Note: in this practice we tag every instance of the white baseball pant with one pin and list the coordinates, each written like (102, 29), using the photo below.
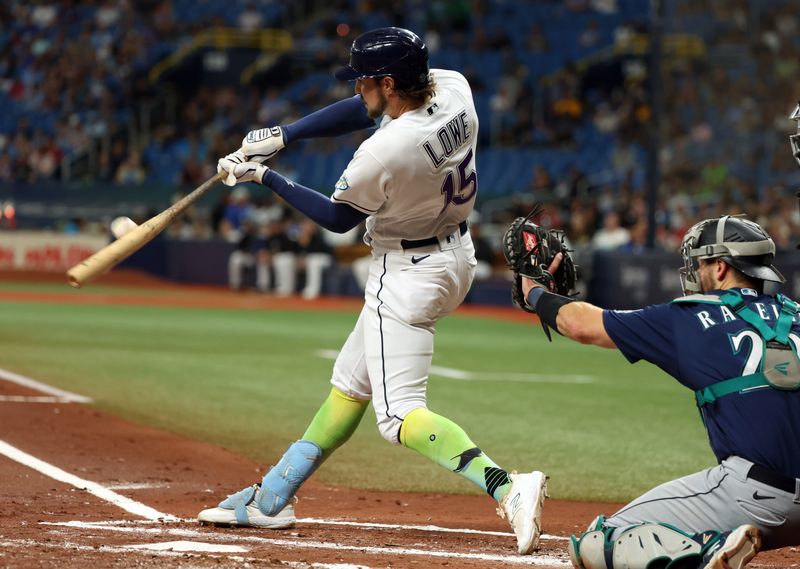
(387, 356)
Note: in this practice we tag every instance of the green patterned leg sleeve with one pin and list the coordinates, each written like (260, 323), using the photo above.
(445, 443)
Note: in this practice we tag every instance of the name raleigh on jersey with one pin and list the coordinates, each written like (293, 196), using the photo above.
(708, 320)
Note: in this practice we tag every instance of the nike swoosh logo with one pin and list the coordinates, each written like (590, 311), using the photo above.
(416, 260)
(757, 496)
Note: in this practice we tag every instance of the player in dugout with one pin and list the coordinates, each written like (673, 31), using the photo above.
(737, 349)
(414, 182)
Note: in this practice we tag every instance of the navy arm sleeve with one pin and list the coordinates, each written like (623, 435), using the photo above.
(336, 217)
(347, 115)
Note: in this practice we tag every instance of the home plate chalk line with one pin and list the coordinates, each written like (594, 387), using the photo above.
(335, 522)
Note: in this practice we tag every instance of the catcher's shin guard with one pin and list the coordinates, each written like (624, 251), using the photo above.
(589, 550)
(283, 480)
(639, 547)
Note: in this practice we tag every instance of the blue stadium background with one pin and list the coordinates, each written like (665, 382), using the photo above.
(111, 108)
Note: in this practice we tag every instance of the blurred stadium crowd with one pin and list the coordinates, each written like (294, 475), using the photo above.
(562, 88)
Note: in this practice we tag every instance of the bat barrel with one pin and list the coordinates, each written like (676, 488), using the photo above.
(114, 253)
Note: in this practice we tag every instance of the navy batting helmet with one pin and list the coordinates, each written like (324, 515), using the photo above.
(394, 52)
(741, 243)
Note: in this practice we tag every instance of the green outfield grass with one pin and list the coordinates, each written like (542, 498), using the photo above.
(251, 381)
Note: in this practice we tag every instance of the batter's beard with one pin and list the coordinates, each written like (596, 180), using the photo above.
(376, 112)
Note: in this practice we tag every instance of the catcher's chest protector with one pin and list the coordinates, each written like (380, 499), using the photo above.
(774, 360)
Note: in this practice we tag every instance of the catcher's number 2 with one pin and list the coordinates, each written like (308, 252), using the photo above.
(753, 361)
(467, 184)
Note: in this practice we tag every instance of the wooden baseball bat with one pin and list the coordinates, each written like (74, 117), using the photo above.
(117, 251)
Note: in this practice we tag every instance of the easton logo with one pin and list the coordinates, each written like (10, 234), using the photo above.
(781, 368)
(530, 241)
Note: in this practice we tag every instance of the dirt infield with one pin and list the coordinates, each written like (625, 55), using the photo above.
(85, 489)
(50, 520)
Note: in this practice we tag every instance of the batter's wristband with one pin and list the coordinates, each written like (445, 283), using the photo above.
(546, 304)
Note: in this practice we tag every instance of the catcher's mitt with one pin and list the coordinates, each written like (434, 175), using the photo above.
(529, 250)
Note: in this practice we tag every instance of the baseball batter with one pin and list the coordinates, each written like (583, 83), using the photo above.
(414, 182)
(737, 349)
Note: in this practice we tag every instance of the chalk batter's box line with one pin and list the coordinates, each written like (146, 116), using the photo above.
(231, 537)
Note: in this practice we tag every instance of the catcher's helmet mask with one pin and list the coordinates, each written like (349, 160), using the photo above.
(794, 139)
(392, 52)
(741, 243)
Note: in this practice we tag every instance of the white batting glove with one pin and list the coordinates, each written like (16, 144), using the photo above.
(240, 171)
(262, 144)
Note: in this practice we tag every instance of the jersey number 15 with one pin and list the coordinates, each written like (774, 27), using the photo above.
(464, 193)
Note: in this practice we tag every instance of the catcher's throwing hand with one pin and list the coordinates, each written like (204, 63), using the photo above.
(239, 170)
(528, 284)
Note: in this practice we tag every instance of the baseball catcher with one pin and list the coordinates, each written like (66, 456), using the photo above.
(530, 251)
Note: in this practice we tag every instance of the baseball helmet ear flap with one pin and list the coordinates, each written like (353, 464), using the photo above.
(394, 52)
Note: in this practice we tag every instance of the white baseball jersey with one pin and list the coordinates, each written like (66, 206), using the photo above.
(415, 176)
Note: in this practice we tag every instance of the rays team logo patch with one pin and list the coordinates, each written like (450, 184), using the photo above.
(530, 240)
(342, 184)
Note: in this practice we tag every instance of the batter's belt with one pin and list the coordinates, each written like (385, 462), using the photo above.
(416, 243)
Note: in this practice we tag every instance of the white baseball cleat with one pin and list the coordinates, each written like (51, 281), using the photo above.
(241, 510)
(522, 507)
(738, 549)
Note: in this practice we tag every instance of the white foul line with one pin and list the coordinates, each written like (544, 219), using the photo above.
(547, 560)
(32, 399)
(43, 387)
(132, 506)
(463, 375)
